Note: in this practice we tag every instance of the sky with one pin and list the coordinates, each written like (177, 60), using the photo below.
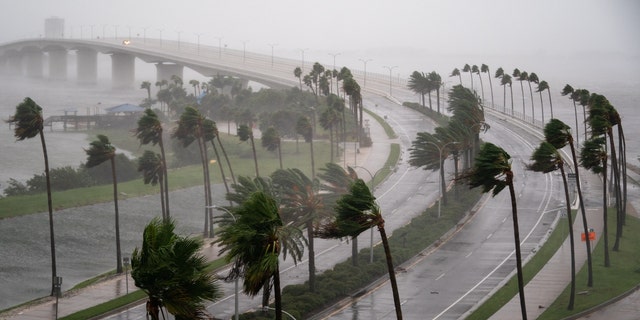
(412, 34)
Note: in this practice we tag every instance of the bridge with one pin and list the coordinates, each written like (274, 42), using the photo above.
(52, 58)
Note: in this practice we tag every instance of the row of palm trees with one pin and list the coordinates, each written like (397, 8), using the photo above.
(424, 84)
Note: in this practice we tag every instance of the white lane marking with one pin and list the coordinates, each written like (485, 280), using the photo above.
(440, 276)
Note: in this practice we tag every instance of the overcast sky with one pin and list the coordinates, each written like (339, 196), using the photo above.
(366, 29)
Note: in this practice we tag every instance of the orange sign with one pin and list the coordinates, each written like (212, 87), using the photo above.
(592, 236)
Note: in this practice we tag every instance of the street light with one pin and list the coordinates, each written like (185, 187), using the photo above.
(303, 50)
(219, 47)
(237, 314)
(160, 30)
(144, 34)
(373, 177)
(334, 68)
(57, 286)
(440, 173)
(178, 32)
(244, 51)
(115, 26)
(198, 35)
(287, 313)
(365, 70)
(127, 263)
(390, 69)
(272, 45)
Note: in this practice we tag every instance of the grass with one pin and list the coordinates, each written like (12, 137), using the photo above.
(387, 128)
(609, 283)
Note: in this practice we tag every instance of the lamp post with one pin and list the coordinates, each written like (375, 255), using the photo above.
(91, 31)
(365, 70)
(160, 30)
(126, 261)
(237, 314)
(302, 51)
(198, 35)
(272, 45)
(178, 32)
(287, 313)
(334, 69)
(440, 173)
(115, 28)
(219, 47)
(373, 177)
(244, 51)
(57, 286)
(144, 34)
(390, 69)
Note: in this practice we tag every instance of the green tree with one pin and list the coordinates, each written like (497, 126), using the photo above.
(245, 133)
(485, 69)
(304, 128)
(172, 272)
(467, 68)
(196, 85)
(254, 243)
(546, 158)
(559, 135)
(425, 152)
(435, 81)
(99, 151)
(418, 84)
(271, 141)
(456, 72)
(150, 164)
(210, 135)
(356, 212)
(518, 76)
(147, 86)
(506, 80)
(150, 130)
(28, 123)
(542, 86)
(297, 72)
(330, 119)
(492, 172)
(474, 69)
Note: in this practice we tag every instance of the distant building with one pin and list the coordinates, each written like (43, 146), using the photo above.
(54, 27)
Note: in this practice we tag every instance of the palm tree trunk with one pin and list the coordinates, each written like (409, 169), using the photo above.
(617, 191)
(224, 178)
(117, 218)
(392, 273)
(575, 112)
(166, 177)
(430, 104)
(208, 182)
(584, 215)
(481, 87)
(255, 155)
(312, 256)
(542, 108)
(54, 273)
(533, 116)
(330, 144)
(491, 87)
(504, 98)
(511, 89)
(438, 98)
(550, 103)
(572, 296)
(516, 236)
(162, 200)
(622, 150)
(523, 106)
(313, 163)
(224, 153)
(605, 233)
(277, 294)
(443, 184)
(206, 189)
(354, 251)
(280, 153)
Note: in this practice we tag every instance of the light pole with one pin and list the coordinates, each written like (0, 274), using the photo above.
(287, 313)
(440, 173)
(244, 51)
(160, 30)
(198, 47)
(334, 69)
(115, 35)
(373, 177)
(365, 70)
(104, 26)
(129, 27)
(303, 50)
(126, 261)
(91, 31)
(272, 45)
(57, 286)
(237, 314)
(219, 47)
(390, 69)
(178, 32)
(144, 34)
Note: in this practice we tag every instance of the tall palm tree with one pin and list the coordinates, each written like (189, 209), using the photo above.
(559, 135)
(28, 123)
(583, 98)
(492, 172)
(99, 151)
(593, 157)
(147, 86)
(456, 72)
(210, 135)
(542, 86)
(254, 243)
(506, 80)
(525, 77)
(150, 130)
(271, 141)
(534, 78)
(425, 152)
(150, 164)
(518, 76)
(467, 68)
(418, 84)
(304, 128)
(474, 69)
(435, 81)
(196, 85)
(297, 72)
(303, 204)
(189, 129)
(356, 212)
(568, 90)
(172, 272)
(329, 119)
(485, 68)
(245, 133)
(546, 158)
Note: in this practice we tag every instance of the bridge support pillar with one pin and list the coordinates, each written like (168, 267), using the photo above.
(58, 64)
(87, 71)
(122, 70)
(13, 65)
(165, 71)
(33, 63)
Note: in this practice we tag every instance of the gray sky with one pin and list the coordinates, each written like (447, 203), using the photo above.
(389, 32)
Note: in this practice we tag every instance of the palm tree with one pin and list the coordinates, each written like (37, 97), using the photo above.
(425, 152)
(356, 212)
(150, 130)
(492, 172)
(435, 81)
(303, 204)
(506, 80)
(456, 72)
(467, 68)
(485, 68)
(418, 84)
(195, 84)
(304, 128)
(546, 158)
(518, 76)
(525, 77)
(543, 85)
(559, 135)
(190, 128)
(150, 164)
(297, 72)
(210, 135)
(99, 151)
(28, 122)
(271, 141)
(583, 97)
(568, 90)
(147, 86)
(329, 119)
(254, 243)
(593, 156)
(534, 78)
(172, 272)
(245, 133)
(474, 69)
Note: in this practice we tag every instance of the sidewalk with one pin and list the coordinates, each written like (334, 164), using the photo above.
(372, 158)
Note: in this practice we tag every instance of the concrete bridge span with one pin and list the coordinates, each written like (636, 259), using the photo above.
(53, 58)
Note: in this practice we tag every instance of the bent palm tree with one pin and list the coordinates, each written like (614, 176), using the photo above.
(150, 164)
(29, 123)
(474, 69)
(271, 141)
(456, 72)
(485, 68)
(593, 156)
(546, 158)
(99, 151)
(356, 212)
(171, 271)
(492, 172)
(543, 85)
(254, 243)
